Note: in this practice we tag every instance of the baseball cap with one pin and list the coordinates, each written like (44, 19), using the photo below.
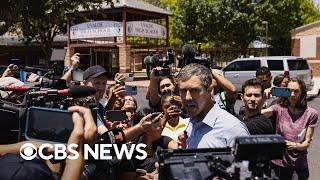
(5, 81)
(93, 71)
(13, 166)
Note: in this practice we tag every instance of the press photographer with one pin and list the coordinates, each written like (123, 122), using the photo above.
(155, 60)
(190, 56)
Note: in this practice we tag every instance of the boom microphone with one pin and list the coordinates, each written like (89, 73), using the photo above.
(73, 91)
(16, 88)
(187, 50)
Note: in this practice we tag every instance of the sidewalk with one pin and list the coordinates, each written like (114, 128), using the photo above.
(138, 83)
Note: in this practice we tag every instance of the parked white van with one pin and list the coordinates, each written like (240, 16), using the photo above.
(242, 69)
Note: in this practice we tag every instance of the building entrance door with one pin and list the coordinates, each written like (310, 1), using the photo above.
(104, 58)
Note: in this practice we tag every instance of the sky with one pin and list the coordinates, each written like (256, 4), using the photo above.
(317, 1)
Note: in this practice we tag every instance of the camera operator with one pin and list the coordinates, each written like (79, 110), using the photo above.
(75, 61)
(14, 167)
(253, 99)
(209, 126)
(296, 122)
(157, 87)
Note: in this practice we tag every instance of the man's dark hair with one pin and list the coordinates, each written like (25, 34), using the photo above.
(252, 82)
(263, 71)
(195, 69)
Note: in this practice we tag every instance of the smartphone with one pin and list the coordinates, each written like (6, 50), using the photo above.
(77, 75)
(163, 72)
(116, 115)
(131, 90)
(49, 125)
(153, 117)
(281, 92)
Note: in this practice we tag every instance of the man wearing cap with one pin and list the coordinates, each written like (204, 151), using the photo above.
(96, 77)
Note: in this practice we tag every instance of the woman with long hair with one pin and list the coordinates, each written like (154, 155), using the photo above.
(296, 122)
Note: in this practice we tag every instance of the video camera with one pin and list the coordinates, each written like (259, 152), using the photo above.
(14, 116)
(189, 56)
(155, 60)
(223, 162)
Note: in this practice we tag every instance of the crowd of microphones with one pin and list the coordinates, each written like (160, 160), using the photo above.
(24, 102)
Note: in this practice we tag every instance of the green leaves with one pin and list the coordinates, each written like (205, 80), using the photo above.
(237, 23)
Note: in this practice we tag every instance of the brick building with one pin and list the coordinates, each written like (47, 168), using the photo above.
(305, 42)
(119, 37)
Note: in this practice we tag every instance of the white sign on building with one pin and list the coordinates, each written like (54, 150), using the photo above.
(146, 29)
(96, 29)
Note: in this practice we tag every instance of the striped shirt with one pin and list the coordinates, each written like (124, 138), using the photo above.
(174, 132)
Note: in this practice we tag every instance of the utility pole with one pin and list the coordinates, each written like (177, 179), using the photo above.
(266, 37)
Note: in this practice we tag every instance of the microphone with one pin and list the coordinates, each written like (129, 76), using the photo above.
(187, 50)
(73, 91)
(147, 60)
(154, 60)
(16, 88)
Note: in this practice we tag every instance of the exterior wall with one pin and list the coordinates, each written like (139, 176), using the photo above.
(304, 39)
(124, 59)
(295, 47)
(136, 61)
(313, 30)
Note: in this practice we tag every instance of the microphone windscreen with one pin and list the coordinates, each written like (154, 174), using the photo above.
(187, 50)
(154, 60)
(81, 91)
(147, 60)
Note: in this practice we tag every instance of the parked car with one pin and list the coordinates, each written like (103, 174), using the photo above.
(242, 69)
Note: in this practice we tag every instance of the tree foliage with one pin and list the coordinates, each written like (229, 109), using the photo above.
(41, 20)
(237, 23)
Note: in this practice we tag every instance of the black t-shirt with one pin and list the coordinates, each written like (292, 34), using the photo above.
(258, 124)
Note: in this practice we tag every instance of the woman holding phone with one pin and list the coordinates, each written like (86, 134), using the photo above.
(296, 122)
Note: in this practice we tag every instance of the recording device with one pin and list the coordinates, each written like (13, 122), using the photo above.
(46, 124)
(154, 117)
(222, 162)
(189, 56)
(27, 71)
(176, 105)
(115, 115)
(195, 164)
(281, 92)
(11, 122)
(164, 72)
(16, 88)
(73, 91)
(259, 150)
(155, 60)
(131, 90)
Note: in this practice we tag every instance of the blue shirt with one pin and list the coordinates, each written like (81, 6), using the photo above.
(217, 130)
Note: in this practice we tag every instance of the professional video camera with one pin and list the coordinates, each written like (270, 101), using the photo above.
(14, 116)
(189, 56)
(155, 60)
(224, 163)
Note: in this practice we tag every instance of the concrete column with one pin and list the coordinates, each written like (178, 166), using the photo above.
(124, 59)
(67, 59)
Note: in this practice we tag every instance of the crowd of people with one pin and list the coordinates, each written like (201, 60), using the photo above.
(194, 108)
